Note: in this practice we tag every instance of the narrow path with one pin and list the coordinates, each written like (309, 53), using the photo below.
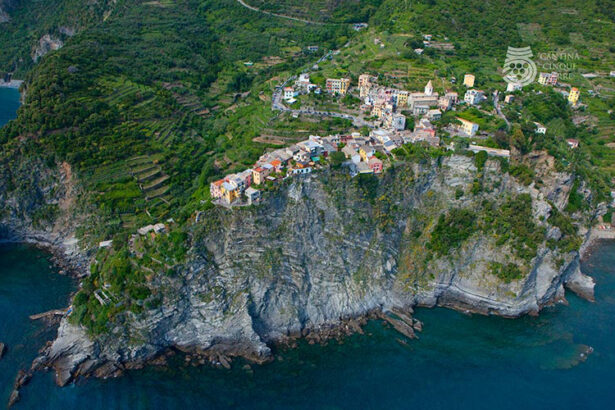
(284, 16)
(498, 110)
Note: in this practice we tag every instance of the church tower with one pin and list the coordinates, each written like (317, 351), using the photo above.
(429, 88)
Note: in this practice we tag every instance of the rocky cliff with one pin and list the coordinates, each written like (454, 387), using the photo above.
(5, 7)
(326, 248)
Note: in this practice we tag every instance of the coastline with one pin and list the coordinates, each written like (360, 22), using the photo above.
(73, 261)
(14, 84)
(595, 235)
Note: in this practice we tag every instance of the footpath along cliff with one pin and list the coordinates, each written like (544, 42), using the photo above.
(324, 250)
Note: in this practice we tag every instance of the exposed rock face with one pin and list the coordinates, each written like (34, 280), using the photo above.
(67, 30)
(27, 186)
(317, 252)
(45, 45)
(581, 284)
(4, 17)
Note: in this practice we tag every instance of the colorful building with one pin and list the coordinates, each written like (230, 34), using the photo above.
(402, 98)
(574, 95)
(375, 164)
(468, 80)
(366, 152)
(215, 189)
(259, 174)
(548, 78)
(230, 192)
(338, 85)
(467, 127)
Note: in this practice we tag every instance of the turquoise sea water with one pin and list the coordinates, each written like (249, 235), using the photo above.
(460, 361)
(9, 102)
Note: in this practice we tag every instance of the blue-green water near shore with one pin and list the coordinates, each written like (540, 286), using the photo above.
(9, 103)
(460, 361)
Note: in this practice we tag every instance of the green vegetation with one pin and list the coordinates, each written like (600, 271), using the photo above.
(507, 272)
(451, 230)
(570, 240)
(512, 223)
(352, 11)
(480, 159)
(523, 173)
(337, 158)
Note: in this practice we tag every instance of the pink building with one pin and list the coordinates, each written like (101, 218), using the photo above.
(215, 189)
(375, 164)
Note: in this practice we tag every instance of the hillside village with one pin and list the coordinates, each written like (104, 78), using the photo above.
(371, 153)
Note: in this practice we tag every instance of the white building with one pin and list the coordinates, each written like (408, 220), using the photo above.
(399, 122)
(351, 154)
(512, 87)
(289, 93)
(540, 129)
(252, 195)
(434, 115)
(474, 97)
(429, 89)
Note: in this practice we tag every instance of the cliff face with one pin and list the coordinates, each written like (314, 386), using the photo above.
(324, 248)
(5, 7)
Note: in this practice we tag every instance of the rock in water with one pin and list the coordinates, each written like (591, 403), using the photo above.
(14, 398)
(582, 285)
(2, 349)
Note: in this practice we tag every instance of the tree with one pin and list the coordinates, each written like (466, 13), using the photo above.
(337, 158)
(480, 159)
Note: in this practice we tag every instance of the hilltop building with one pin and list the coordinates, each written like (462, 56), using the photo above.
(474, 97)
(467, 127)
(574, 95)
(468, 80)
(540, 129)
(548, 78)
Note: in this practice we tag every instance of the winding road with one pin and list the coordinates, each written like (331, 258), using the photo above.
(284, 16)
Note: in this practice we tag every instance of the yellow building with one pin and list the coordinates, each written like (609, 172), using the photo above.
(229, 192)
(468, 80)
(467, 127)
(338, 85)
(260, 173)
(402, 98)
(366, 152)
(574, 95)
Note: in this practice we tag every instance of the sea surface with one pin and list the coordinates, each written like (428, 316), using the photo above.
(9, 103)
(459, 362)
